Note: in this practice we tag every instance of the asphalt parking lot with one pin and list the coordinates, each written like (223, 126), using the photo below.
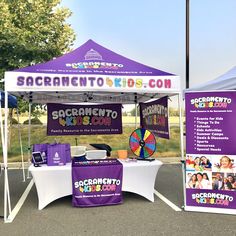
(136, 216)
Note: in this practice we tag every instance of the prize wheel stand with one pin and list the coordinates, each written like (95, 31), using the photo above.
(142, 143)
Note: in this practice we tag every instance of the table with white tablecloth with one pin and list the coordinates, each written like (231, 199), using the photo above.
(54, 182)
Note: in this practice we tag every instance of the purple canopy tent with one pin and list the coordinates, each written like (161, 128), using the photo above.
(91, 73)
(94, 74)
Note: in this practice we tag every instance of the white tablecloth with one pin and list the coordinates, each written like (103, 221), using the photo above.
(53, 182)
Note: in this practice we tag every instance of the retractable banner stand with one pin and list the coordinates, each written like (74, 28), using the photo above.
(154, 117)
(211, 152)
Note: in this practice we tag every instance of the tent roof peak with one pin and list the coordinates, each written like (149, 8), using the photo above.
(92, 58)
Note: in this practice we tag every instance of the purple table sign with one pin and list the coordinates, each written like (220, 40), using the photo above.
(97, 183)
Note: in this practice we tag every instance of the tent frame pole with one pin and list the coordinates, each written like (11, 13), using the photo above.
(2, 130)
(21, 148)
(136, 113)
(29, 139)
(3, 149)
(136, 109)
(180, 100)
(7, 201)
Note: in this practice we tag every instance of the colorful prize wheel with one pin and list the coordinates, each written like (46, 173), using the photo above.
(142, 143)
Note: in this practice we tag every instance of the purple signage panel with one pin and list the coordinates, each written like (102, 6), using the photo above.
(84, 119)
(210, 122)
(211, 198)
(97, 183)
(211, 150)
(154, 117)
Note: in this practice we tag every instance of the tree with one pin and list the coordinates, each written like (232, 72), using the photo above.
(32, 31)
(133, 113)
(173, 111)
(37, 109)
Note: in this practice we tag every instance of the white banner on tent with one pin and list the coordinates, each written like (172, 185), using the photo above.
(23, 81)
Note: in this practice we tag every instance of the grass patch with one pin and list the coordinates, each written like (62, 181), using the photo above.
(165, 148)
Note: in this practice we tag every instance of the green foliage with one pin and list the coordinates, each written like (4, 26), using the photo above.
(132, 112)
(32, 31)
(173, 112)
(14, 121)
(124, 113)
(37, 109)
(170, 148)
(34, 121)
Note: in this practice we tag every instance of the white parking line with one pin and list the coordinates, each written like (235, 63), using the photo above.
(167, 201)
(21, 201)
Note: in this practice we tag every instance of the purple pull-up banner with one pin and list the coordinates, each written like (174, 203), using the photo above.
(97, 183)
(66, 119)
(154, 117)
(211, 152)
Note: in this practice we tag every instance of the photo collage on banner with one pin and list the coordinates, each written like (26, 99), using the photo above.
(216, 172)
(211, 150)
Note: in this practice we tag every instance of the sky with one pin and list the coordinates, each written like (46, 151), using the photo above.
(152, 32)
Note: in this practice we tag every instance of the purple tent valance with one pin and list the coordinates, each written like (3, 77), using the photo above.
(91, 68)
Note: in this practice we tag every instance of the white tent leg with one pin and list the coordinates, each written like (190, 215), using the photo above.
(21, 148)
(181, 127)
(2, 131)
(6, 183)
(3, 148)
(8, 192)
(182, 143)
(29, 139)
(7, 201)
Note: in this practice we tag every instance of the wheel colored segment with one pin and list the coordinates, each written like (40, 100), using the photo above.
(142, 143)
